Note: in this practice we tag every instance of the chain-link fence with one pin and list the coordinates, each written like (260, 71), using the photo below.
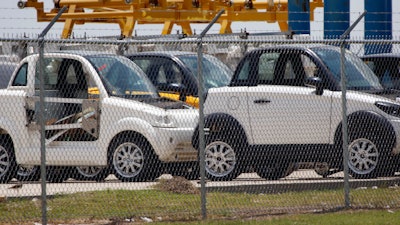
(118, 121)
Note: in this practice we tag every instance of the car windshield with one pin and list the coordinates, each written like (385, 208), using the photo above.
(215, 72)
(122, 77)
(359, 75)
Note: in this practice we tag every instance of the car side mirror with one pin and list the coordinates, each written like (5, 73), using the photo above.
(316, 83)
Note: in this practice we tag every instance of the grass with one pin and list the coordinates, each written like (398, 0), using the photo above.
(350, 217)
(172, 202)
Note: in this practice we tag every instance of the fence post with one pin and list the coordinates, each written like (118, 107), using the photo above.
(344, 111)
(41, 115)
(201, 114)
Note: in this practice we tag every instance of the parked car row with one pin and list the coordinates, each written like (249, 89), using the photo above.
(137, 118)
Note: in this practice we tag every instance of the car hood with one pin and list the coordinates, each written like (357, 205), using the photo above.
(392, 94)
(163, 103)
(166, 103)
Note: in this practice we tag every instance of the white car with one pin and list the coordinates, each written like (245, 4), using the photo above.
(100, 111)
(283, 106)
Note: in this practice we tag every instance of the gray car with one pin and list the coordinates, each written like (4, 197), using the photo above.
(174, 73)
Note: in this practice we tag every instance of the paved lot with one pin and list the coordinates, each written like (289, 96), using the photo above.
(248, 182)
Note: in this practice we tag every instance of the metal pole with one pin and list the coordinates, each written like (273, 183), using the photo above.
(344, 112)
(41, 115)
(201, 115)
(344, 128)
(42, 132)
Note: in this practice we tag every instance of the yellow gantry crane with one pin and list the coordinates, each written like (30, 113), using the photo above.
(127, 13)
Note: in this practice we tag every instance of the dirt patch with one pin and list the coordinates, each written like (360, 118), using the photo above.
(178, 185)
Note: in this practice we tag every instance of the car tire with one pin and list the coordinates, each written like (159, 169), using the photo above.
(222, 160)
(133, 159)
(28, 173)
(8, 165)
(90, 173)
(368, 157)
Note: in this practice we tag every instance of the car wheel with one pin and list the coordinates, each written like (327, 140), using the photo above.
(28, 173)
(133, 159)
(95, 173)
(8, 166)
(221, 161)
(57, 174)
(366, 158)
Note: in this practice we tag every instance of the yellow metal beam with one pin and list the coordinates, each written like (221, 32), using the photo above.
(129, 25)
(167, 27)
(69, 23)
(116, 4)
(186, 28)
(127, 13)
(225, 27)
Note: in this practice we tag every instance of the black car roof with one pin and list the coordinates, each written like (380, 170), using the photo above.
(162, 53)
(85, 53)
(381, 55)
(298, 47)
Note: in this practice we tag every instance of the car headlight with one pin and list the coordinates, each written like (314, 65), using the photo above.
(163, 121)
(389, 108)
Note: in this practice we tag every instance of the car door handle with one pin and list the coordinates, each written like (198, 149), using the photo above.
(262, 101)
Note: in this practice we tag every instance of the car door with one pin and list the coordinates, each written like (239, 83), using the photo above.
(281, 109)
(71, 118)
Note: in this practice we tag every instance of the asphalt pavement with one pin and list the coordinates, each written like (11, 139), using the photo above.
(248, 182)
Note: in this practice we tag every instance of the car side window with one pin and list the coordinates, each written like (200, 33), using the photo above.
(21, 77)
(142, 63)
(244, 72)
(266, 67)
(289, 70)
(371, 64)
(72, 80)
(71, 76)
(310, 68)
(169, 73)
(50, 75)
(161, 71)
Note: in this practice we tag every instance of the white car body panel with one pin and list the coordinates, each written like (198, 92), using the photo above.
(310, 111)
(302, 129)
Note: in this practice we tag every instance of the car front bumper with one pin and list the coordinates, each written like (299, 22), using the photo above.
(174, 144)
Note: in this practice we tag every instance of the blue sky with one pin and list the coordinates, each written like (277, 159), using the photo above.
(16, 22)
